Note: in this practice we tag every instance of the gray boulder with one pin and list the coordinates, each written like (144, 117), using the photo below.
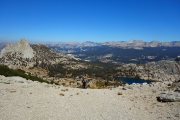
(176, 84)
(169, 96)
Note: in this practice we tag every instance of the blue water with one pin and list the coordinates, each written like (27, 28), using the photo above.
(134, 80)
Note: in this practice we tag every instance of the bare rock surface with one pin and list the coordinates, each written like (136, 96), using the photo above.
(24, 99)
(159, 71)
(22, 47)
(169, 96)
(176, 84)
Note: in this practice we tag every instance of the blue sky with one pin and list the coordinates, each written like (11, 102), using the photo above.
(89, 20)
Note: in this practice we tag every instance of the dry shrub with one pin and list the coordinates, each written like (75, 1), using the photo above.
(12, 91)
(62, 94)
(119, 93)
(100, 84)
(172, 87)
(64, 90)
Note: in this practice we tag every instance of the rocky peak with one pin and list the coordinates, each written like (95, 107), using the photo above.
(22, 55)
(136, 41)
(21, 47)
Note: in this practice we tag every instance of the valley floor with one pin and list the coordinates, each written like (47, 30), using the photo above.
(22, 99)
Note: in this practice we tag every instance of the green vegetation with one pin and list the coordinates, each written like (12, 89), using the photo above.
(4, 70)
(95, 70)
(100, 84)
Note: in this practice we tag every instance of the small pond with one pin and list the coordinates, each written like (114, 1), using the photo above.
(134, 80)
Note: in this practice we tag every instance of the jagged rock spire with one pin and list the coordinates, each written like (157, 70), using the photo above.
(22, 47)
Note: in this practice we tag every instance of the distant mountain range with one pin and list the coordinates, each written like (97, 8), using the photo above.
(139, 44)
(134, 51)
(132, 44)
(135, 44)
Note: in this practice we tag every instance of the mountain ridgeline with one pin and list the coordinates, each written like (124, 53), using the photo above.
(135, 51)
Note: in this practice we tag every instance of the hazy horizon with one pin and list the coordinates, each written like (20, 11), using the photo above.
(89, 20)
(46, 42)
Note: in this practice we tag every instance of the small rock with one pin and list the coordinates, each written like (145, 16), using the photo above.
(177, 91)
(177, 115)
(5, 81)
(169, 117)
(134, 84)
(129, 87)
(124, 89)
(176, 84)
(154, 91)
(145, 83)
(162, 105)
(47, 86)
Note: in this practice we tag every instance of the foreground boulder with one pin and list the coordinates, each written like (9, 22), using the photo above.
(177, 84)
(170, 96)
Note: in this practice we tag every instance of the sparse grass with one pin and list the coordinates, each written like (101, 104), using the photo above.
(172, 87)
(62, 94)
(119, 93)
(12, 91)
(100, 84)
(64, 90)
(77, 93)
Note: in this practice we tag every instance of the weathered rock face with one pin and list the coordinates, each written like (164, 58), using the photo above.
(160, 71)
(17, 55)
(169, 96)
(22, 48)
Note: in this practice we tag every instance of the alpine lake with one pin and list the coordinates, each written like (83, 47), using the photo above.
(134, 80)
